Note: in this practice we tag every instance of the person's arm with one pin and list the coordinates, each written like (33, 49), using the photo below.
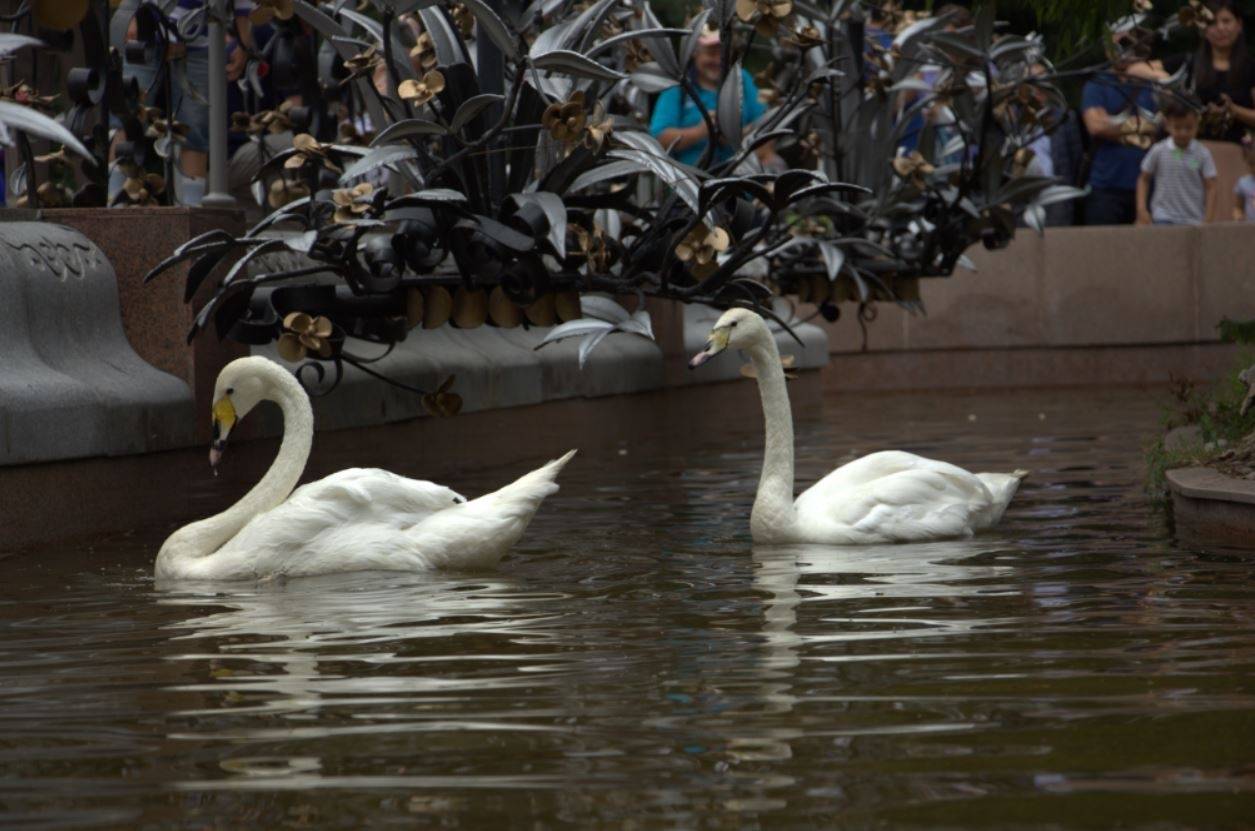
(1098, 124)
(1147, 71)
(1143, 192)
(1239, 206)
(664, 124)
(1243, 115)
(1094, 113)
(682, 138)
(237, 61)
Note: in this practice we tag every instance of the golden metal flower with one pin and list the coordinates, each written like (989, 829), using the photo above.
(442, 402)
(268, 10)
(159, 128)
(51, 195)
(144, 190)
(1020, 161)
(353, 203)
(765, 14)
(593, 247)
(420, 92)
(807, 36)
(282, 192)
(305, 334)
(597, 128)
(423, 55)
(566, 120)
(463, 18)
(914, 167)
(309, 151)
(701, 249)
(635, 53)
(363, 63)
(1195, 14)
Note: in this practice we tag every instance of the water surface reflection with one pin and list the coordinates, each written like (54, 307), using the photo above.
(637, 659)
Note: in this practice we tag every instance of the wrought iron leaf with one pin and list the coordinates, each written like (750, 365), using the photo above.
(555, 213)
(407, 128)
(728, 111)
(16, 117)
(833, 257)
(472, 107)
(651, 78)
(575, 65)
(605, 172)
(689, 44)
(493, 26)
(388, 155)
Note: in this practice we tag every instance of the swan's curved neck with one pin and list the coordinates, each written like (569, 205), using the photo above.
(203, 538)
(773, 513)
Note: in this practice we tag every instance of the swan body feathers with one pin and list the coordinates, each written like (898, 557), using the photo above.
(885, 497)
(354, 520)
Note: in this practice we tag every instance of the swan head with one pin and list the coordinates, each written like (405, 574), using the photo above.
(735, 329)
(241, 386)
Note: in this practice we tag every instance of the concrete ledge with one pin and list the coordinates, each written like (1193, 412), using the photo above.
(72, 385)
(1210, 505)
(1205, 483)
(1028, 367)
(495, 369)
(154, 316)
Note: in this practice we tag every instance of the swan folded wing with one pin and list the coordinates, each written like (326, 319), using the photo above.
(933, 501)
(377, 495)
(355, 519)
(872, 467)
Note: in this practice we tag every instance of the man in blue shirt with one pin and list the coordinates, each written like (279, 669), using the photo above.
(678, 123)
(1118, 146)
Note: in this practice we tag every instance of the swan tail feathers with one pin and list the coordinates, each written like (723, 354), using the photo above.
(1002, 486)
(532, 488)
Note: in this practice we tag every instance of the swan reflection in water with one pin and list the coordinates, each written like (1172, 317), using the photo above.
(911, 577)
(280, 643)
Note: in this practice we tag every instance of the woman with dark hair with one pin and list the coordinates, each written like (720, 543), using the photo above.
(1222, 74)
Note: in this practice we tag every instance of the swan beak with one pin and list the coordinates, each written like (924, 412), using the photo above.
(224, 420)
(717, 342)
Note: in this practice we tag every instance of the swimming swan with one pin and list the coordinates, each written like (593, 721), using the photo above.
(889, 496)
(354, 520)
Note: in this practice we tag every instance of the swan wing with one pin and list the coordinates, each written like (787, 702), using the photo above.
(372, 494)
(363, 519)
(355, 519)
(895, 496)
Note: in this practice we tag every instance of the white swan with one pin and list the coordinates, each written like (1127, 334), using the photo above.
(354, 520)
(889, 496)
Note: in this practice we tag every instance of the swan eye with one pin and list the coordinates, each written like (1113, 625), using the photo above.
(230, 390)
(732, 325)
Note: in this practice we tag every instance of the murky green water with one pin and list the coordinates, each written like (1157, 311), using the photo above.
(637, 663)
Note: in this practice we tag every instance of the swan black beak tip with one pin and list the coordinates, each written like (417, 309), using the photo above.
(215, 454)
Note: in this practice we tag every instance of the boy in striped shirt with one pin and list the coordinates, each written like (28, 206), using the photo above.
(1182, 170)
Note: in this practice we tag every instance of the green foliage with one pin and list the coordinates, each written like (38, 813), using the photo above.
(1213, 410)
(1237, 331)
(675, 12)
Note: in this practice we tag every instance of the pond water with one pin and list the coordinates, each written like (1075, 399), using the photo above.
(637, 663)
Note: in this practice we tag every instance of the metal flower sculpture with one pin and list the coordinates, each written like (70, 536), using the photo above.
(509, 167)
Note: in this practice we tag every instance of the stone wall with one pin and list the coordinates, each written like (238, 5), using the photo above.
(1072, 306)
